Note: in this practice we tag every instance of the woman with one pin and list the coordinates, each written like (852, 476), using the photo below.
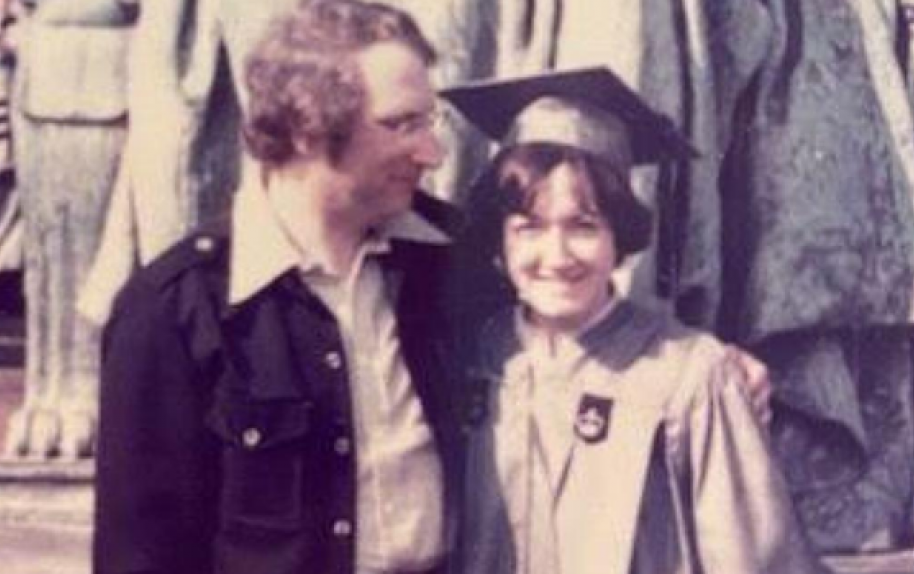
(614, 439)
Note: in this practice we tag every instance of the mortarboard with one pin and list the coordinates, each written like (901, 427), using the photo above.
(588, 108)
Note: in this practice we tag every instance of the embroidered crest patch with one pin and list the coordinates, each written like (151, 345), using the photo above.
(593, 418)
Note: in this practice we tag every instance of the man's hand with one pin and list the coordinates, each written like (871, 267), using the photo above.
(756, 382)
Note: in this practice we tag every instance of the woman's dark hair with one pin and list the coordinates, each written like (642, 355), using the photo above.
(510, 186)
(302, 80)
(477, 288)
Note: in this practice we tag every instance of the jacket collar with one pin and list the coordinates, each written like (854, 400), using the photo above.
(262, 251)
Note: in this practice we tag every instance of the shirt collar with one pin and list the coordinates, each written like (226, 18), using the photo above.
(262, 250)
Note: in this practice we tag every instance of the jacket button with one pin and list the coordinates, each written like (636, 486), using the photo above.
(204, 244)
(333, 360)
(342, 446)
(251, 437)
(342, 528)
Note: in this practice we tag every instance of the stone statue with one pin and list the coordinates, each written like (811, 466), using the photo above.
(70, 122)
(12, 13)
(182, 154)
(819, 270)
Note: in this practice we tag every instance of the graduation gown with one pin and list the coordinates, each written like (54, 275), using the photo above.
(644, 457)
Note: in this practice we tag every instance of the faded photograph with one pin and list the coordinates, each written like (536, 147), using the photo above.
(456, 286)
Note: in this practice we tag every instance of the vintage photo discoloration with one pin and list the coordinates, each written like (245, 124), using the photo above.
(262, 301)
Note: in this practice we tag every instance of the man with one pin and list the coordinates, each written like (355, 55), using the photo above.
(272, 399)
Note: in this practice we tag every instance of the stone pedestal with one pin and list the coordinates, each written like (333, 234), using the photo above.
(900, 562)
(45, 517)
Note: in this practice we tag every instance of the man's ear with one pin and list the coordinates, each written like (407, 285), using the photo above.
(309, 148)
(302, 146)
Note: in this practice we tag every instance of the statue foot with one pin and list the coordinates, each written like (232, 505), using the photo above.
(44, 433)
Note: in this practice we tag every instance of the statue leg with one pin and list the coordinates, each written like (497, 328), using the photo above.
(66, 172)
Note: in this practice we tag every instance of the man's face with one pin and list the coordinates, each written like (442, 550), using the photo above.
(393, 143)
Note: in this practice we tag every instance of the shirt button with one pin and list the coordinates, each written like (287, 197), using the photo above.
(251, 437)
(342, 528)
(342, 446)
(333, 360)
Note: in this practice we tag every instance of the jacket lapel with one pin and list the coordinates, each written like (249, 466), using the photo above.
(413, 274)
(411, 280)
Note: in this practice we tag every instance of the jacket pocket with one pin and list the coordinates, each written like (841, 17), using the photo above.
(264, 448)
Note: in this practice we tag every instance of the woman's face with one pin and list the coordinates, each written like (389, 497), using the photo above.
(560, 255)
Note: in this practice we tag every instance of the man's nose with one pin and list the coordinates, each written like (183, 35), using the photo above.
(430, 150)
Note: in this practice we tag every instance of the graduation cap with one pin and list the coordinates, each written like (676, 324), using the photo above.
(588, 108)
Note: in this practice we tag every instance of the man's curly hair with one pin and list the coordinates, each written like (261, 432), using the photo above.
(303, 82)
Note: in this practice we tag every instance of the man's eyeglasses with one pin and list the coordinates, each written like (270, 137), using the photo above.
(411, 123)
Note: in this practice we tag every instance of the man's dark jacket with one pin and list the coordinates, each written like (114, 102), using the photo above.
(226, 436)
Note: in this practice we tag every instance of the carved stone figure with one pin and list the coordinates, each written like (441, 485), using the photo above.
(182, 153)
(70, 122)
(820, 268)
(12, 12)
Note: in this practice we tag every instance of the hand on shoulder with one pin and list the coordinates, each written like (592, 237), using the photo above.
(754, 377)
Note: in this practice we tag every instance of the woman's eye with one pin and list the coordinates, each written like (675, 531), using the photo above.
(586, 225)
(525, 226)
